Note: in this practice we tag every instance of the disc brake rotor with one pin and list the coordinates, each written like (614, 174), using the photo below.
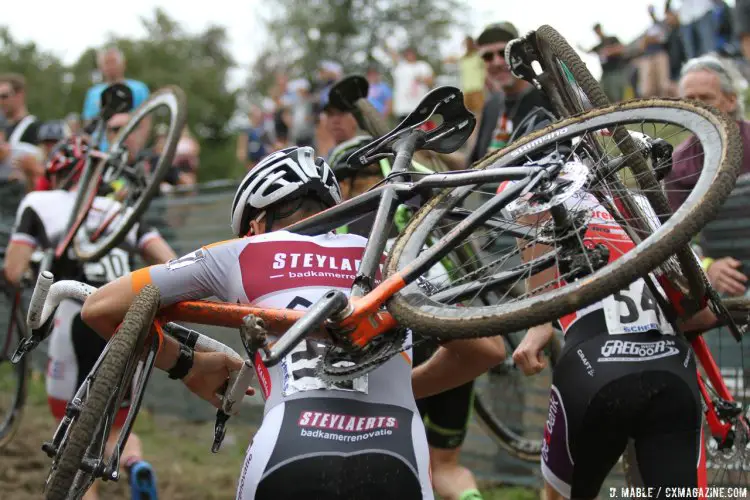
(569, 181)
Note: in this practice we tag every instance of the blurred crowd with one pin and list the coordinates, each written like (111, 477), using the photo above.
(296, 110)
(27, 142)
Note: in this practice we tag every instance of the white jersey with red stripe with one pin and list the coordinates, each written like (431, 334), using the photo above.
(304, 416)
(41, 221)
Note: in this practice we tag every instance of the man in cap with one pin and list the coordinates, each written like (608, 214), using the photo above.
(515, 98)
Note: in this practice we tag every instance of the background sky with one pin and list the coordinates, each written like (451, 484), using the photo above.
(68, 28)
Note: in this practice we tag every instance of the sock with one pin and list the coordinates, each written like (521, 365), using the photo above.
(472, 494)
(130, 462)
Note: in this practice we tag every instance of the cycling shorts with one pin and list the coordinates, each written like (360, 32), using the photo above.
(445, 415)
(607, 389)
(73, 351)
(337, 448)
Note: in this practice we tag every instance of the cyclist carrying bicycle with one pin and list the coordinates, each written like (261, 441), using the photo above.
(623, 374)
(74, 348)
(358, 440)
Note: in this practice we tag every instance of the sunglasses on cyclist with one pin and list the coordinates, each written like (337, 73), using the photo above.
(490, 56)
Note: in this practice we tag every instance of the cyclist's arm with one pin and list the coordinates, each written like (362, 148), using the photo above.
(157, 251)
(456, 363)
(27, 231)
(17, 259)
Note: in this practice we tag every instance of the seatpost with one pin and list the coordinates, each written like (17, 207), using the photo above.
(378, 237)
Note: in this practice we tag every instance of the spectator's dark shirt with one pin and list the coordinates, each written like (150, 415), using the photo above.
(30, 135)
(609, 63)
(676, 53)
(688, 161)
(514, 109)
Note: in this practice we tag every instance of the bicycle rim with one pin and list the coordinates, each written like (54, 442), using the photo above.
(13, 378)
(416, 310)
(138, 181)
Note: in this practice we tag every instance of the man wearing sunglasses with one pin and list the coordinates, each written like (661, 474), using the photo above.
(20, 158)
(513, 99)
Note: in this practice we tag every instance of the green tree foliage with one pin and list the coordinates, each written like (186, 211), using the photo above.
(303, 32)
(199, 63)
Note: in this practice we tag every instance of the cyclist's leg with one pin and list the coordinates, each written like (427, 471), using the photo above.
(446, 422)
(587, 425)
(668, 438)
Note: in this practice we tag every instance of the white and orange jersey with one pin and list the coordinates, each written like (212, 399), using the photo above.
(283, 270)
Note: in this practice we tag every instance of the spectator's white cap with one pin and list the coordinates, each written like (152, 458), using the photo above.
(268, 105)
(332, 67)
(299, 84)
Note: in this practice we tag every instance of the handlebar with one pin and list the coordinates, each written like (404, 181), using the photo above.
(47, 297)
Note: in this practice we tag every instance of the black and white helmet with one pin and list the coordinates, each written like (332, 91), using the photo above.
(283, 176)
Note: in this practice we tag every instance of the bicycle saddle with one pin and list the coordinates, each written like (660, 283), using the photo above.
(116, 98)
(444, 107)
(347, 91)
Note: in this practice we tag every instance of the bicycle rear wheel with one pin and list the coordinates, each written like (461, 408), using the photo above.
(13, 378)
(511, 407)
(90, 428)
(434, 314)
(138, 179)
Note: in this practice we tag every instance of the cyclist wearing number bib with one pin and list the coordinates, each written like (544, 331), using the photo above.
(40, 224)
(362, 439)
(623, 374)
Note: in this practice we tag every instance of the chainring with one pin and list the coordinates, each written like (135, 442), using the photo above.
(340, 365)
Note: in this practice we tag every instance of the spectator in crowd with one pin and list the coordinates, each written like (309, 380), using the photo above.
(73, 120)
(380, 94)
(302, 124)
(742, 25)
(698, 27)
(504, 109)
(50, 134)
(673, 44)
(186, 159)
(708, 79)
(111, 63)
(412, 79)
(653, 64)
(329, 72)
(471, 69)
(252, 142)
(23, 159)
(612, 59)
(722, 16)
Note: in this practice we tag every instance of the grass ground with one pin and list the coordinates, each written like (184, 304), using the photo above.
(179, 450)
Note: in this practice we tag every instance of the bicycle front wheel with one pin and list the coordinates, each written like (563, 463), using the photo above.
(90, 428)
(135, 175)
(511, 407)
(13, 378)
(507, 244)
